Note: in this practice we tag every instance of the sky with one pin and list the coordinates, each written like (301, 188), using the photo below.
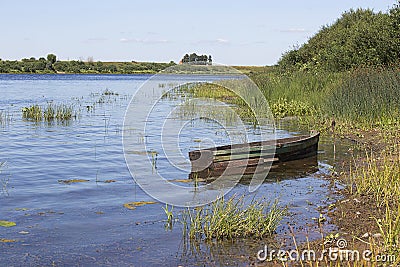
(253, 32)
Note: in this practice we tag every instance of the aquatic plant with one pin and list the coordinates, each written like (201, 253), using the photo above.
(170, 216)
(134, 204)
(109, 92)
(33, 112)
(233, 218)
(52, 112)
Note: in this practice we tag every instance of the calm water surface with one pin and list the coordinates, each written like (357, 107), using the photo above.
(86, 223)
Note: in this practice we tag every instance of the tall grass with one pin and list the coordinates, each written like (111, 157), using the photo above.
(232, 218)
(379, 178)
(364, 96)
(367, 96)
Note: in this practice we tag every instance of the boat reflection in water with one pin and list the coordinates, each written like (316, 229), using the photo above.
(278, 171)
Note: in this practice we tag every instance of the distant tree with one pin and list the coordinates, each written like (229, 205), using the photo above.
(209, 60)
(51, 58)
(185, 58)
(193, 57)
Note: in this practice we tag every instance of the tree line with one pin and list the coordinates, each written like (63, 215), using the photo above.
(50, 64)
(358, 38)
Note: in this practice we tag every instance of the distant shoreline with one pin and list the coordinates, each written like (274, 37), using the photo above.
(52, 66)
(159, 68)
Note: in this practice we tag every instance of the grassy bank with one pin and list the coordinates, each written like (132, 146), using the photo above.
(362, 105)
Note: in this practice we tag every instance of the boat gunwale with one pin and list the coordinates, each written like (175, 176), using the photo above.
(277, 143)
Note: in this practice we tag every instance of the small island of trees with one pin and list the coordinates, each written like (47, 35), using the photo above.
(196, 59)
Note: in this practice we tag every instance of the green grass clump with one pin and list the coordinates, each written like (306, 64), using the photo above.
(33, 112)
(284, 108)
(379, 178)
(53, 112)
(233, 218)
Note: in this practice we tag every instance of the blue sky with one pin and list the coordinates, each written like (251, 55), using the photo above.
(251, 32)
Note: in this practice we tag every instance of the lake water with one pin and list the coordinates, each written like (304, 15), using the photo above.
(86, 223)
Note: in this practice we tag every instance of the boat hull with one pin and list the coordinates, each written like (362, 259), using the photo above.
(252, 157)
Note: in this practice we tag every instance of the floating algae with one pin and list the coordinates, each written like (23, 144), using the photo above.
(71, 181)
(133, 205)
(7, 224)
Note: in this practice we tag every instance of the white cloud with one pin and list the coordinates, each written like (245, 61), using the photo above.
(294, 30)
(213, 42)
(222, 41)
(143, 41)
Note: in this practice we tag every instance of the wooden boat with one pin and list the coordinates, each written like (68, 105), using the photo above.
(249, 158)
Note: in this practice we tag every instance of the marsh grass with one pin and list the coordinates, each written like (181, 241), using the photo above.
(219, 92)
(378, 176)
(363, 97)
(52, 112)
(363, 100)
(367, 96)
(33, 112)
(389, 227)
(233, 218)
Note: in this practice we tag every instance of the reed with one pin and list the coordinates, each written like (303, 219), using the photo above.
(33, 112)
(232, 218)
(52, 112)
(370, 97)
